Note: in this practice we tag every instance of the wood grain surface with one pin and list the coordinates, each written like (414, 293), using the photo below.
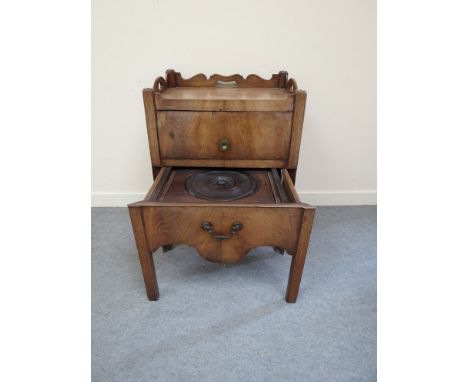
(196, 135)
(232, 121)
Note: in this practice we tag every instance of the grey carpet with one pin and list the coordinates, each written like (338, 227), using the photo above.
(231, 323)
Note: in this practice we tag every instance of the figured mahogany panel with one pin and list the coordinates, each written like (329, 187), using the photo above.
(255, 135)
(185, 135)
(261, 226)
(188, 135)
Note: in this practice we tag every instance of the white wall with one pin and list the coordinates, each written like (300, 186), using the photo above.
(328, 46)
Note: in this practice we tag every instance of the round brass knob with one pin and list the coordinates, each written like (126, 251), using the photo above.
(207, 226)
(236, 227)
(224, 145)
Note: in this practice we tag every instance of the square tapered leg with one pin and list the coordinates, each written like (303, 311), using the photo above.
(298, 258)
(145, 255)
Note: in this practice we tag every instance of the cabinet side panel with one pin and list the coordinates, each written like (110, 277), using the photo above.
(297, 123)
(148, 100)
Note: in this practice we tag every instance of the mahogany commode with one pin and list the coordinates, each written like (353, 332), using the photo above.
(224, 153)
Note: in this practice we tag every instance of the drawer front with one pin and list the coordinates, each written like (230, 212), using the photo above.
(221, 137)
(223, 234)
(188, 135)
(255, 135)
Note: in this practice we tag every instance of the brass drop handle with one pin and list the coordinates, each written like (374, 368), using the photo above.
(235, 227)
(224, 145)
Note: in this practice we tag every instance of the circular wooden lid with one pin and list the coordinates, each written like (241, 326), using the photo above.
(221, 185)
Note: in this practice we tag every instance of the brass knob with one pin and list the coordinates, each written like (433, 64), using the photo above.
(224, 145)
(207, 226)
(236, 227)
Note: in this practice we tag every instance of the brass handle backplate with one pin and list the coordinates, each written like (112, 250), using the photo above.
(224, 145)
(235, 227)
(227, 84)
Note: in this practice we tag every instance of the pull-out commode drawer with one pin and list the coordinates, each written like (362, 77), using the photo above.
(224, 231)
